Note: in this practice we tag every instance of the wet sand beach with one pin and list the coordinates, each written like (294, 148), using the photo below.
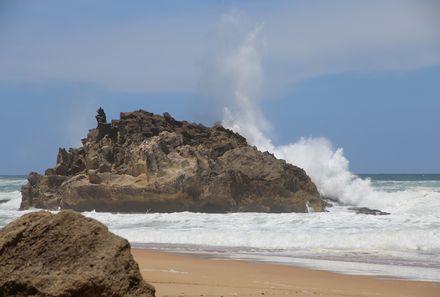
(186, 275)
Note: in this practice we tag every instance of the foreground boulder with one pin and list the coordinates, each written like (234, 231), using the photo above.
(146, 162)
(66, 254)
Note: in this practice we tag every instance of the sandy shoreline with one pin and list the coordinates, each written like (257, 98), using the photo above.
(182, 275)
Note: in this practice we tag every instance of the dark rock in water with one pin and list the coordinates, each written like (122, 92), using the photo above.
(146, 162)
(329, 202)
(331, 199)
(3, 201)
(368, 211)
(66, 254)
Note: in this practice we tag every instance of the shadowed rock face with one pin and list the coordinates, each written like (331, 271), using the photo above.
(146, 162)
(66, 254)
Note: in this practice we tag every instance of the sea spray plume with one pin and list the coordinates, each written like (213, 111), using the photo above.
(241, 66)
(328, 168)
(233, 71)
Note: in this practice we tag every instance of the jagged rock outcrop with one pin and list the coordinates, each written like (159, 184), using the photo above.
(66, 254)
(146, 162)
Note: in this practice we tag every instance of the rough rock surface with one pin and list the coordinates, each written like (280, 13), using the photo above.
(368, 211)
(66, 254)
(146, 162)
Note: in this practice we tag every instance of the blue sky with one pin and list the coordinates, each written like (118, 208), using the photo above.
(364, 74)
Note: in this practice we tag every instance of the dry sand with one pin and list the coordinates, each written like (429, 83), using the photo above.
(182, 275)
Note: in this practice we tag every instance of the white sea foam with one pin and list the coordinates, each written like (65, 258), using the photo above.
(409, 236)
(338, 230)
(13, 200)
(320, 239)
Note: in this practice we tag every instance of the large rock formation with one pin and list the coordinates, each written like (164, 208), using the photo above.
(66, 254)
(147, 162)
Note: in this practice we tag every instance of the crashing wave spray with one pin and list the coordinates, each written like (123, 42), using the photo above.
(327, 167)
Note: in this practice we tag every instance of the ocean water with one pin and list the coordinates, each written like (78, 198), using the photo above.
(404, 244)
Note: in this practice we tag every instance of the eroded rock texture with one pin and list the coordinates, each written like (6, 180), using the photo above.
(66, 255)
(146, 162)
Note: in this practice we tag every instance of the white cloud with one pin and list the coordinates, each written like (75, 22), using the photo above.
(353, 36)
(304, 39)
(139, 57)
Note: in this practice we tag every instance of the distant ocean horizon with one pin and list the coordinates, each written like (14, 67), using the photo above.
(404, 244)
